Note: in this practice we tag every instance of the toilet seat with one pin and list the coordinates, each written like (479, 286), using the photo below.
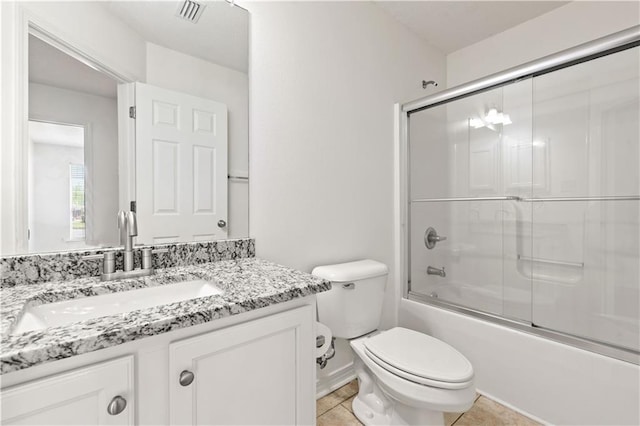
(411, 393)
(419, 358)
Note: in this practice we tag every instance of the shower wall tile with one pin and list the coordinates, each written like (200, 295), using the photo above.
(38, 268)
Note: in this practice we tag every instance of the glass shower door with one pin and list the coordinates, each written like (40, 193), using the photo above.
(586, 217)
(524, 202)
(470, 161)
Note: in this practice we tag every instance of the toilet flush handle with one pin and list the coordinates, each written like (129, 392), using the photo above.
(349, 286)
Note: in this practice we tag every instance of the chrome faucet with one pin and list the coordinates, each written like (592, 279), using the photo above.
(435, 271)
(128, 225)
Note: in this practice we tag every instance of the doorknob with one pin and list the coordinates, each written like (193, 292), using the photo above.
(431, 237)
(222, 223)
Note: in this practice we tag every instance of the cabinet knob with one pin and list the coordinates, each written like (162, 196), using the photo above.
(117, 405)
(186, 377)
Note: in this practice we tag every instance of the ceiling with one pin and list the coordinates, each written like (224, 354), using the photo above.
(452, 25)
(221, 35)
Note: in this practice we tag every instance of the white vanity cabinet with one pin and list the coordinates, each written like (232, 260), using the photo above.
(256, 367)
(100, 394)
(253, 373)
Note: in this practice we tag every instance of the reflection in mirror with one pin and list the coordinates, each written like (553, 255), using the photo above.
(73, 153)
(82, 158)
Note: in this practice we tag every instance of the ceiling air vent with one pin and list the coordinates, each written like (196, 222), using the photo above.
(190, 10)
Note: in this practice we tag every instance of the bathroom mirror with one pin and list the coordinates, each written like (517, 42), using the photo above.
(79, 155)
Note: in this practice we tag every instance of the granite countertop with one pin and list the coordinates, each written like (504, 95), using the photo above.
(247, 284)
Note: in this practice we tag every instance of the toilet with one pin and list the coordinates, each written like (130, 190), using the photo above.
(405, 377)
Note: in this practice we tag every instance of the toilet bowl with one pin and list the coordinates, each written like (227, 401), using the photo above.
(397, 388)
(405, 377)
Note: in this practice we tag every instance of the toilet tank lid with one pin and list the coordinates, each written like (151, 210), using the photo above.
(351, 271)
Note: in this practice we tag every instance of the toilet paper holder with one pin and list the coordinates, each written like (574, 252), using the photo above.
(330, 353)
(319, 341)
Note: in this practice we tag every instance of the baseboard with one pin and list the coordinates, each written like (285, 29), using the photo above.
(335, 380)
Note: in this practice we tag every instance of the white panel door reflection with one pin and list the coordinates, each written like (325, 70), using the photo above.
(181, 166)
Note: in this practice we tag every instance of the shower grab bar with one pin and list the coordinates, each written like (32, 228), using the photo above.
(435, 200)
(594, 198)
(551, 262)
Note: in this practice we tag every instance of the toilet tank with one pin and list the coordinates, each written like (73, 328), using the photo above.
(353, 306)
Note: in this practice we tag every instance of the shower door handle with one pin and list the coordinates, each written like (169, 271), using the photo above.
(431, 237)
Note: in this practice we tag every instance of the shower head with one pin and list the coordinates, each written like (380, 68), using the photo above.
(427, 83)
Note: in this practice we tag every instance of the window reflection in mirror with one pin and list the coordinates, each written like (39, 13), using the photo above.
(57, 210)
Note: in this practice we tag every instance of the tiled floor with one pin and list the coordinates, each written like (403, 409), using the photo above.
(335, 410)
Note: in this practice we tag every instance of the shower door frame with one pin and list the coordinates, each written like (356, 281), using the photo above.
(610, 44)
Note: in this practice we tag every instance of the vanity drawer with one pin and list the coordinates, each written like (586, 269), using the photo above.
(101, 394)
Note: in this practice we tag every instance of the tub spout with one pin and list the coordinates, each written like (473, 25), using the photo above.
(435, 271)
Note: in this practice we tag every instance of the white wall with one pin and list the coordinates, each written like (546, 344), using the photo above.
(177, 71)
(567, 26)
(324, 78)
(99, 115)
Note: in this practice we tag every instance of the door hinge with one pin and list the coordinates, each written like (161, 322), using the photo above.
(132, 112)
(132, 206)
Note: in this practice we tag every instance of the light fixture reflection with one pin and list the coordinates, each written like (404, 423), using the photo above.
(476, 123)
(492, 117)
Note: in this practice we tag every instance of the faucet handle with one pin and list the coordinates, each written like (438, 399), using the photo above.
(147, 260)
(109, 262)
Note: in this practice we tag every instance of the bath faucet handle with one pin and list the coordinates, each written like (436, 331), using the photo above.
(431, 237)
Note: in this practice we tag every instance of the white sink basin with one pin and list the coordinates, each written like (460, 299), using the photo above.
(85, 308)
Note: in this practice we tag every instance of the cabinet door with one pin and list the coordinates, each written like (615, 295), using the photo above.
(260, 372)
(77, 397)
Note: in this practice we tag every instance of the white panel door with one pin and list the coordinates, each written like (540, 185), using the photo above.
(78, 397)
(181, 166)
(257, 373)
